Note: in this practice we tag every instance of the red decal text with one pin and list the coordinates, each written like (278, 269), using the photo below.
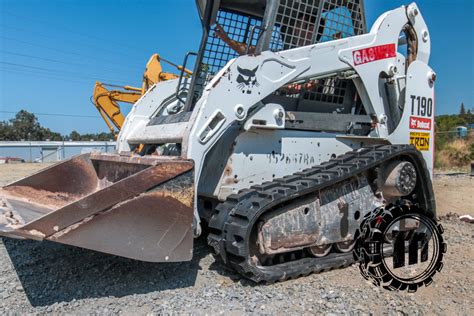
(367, 55)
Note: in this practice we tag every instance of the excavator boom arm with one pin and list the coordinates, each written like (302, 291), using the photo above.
(106, 103)
(106, 100)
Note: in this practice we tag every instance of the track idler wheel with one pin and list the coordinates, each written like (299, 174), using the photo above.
(320, 251)
(345, 246)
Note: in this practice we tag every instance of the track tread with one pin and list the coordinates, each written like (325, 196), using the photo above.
(234, 219)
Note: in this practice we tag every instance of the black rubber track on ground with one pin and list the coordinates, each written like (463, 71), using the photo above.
(234, 219)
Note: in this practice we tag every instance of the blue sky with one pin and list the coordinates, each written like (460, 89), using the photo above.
(52, 51)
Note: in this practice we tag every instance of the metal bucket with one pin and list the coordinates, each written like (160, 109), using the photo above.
(135, 207)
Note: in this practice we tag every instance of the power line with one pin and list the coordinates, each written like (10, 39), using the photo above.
(45, 75)
(62, 75)
(57, 50)
(65, 29)
(55, 60)
(53, 114)
(105, 42)
(103, 39)
(58, 76)
(61, 72)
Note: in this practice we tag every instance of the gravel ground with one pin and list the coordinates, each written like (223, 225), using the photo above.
(43, 277)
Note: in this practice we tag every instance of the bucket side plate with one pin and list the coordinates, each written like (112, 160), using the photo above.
(156, 226)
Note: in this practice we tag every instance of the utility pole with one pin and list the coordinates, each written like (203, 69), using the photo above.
(29, 139)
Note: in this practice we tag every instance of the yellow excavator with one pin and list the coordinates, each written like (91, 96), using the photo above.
(106, 101)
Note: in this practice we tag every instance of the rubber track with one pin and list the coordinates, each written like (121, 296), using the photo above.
(233, 221)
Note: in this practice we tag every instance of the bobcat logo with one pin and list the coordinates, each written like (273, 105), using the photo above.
(246, 79)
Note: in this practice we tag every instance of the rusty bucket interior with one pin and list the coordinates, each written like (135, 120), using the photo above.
(131, 206)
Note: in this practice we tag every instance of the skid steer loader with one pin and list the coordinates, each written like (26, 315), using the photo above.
(280, 152)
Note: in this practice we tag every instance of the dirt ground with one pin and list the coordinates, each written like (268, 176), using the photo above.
(454, 193)
(12, 172)
(43, 277)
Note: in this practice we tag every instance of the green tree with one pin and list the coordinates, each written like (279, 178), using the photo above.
(25, 126)
(75, 136)
(462, 111)
(48, 134)
(5, 131)
(105, 136)
(445, 123)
